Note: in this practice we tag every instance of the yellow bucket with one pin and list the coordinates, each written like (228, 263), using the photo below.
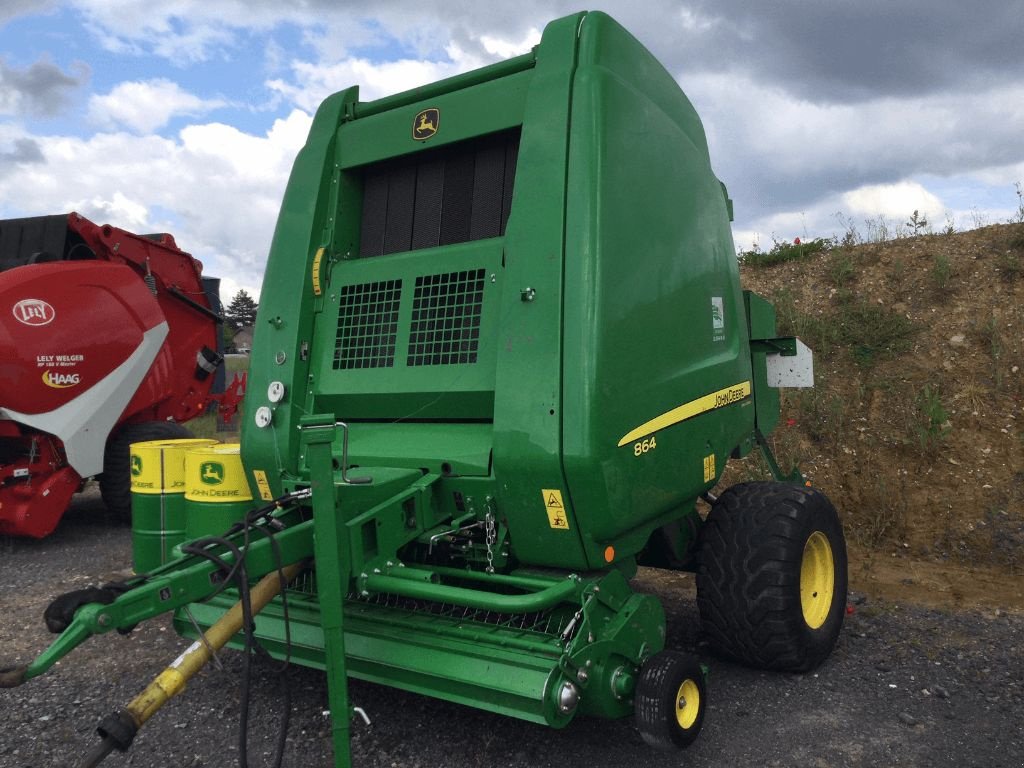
(158, 498)
(216, 490)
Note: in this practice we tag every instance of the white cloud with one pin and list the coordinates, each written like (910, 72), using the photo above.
(893, 200)
(129, 214)
(222, 186)
(181, 30)
(146, 105)
(506, 49)
(311, 83)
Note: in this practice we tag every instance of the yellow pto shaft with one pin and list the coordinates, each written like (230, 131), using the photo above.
(118, 730)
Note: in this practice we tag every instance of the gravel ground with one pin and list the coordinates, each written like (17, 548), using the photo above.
(907, 686)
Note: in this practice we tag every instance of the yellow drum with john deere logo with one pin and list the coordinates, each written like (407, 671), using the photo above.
(216, 491)
(158, 498)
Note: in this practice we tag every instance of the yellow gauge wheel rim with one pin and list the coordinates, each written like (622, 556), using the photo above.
(817, 580)
(687, 704)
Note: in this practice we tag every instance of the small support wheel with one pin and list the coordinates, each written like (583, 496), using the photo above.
(670, 700)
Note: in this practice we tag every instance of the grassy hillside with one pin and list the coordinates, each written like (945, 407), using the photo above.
(916, 426)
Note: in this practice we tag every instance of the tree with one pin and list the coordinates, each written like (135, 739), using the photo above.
(241, 312)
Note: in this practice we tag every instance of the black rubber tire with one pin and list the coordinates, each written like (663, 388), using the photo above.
(655, 700)
(116, 480)
(749, 576)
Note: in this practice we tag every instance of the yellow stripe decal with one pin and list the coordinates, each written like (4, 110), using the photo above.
(316, 271)
(719, 399)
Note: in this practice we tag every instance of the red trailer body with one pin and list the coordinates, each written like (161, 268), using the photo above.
(106, 337)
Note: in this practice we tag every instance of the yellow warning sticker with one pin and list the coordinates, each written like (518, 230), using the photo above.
(556, 508)
(709, 468)
(317, 290)
(262, 484)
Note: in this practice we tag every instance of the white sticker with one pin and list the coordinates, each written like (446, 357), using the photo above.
(178, 661)
(717, 319)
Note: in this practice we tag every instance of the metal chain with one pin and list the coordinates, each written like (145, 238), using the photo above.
(490, 538)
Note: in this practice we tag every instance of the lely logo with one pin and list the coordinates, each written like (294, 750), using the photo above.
(59, 380)
(33, 312)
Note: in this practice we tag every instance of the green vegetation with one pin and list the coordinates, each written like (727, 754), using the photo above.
(940, 272)
(882, 513)
(241, 311)
(868, 331)
(1010, 267)
(783, 252)
(822, 413)
(841, 269)
(931, 421)
(992, 338)
(918, 224)
(871, 331)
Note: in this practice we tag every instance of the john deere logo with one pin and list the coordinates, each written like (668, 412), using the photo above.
(211, 472)
(136, 465)
(426, 124)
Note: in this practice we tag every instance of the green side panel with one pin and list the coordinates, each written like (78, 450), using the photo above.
(284, 323)
(761, 321)
(653, 312)
(528, 400)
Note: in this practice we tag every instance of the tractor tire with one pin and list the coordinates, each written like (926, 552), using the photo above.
(771, 581)
(116, 480)
(670, 700)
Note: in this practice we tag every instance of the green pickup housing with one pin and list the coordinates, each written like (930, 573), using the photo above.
(502, 338)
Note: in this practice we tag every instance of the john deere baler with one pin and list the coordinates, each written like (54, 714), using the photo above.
(502, 350)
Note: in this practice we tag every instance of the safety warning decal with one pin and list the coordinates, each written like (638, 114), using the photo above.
(555, 508)
(262, 484)
(709, 468)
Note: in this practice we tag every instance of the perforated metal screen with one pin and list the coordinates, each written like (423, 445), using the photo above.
(368, 325)
(446, 312)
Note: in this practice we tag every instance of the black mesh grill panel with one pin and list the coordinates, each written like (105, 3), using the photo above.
(446, 312)
(439, 197)
(368, 325)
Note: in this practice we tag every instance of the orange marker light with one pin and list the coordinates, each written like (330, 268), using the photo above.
(609, 554)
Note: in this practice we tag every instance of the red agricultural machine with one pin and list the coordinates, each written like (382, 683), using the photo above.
(106, 338)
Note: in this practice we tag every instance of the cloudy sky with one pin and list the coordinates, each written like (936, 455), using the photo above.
(185, 116)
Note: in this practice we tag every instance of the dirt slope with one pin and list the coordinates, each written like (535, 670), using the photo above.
(915, 428)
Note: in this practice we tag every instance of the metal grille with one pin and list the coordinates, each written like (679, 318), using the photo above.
(368, 325)
(446, 312)
(555, 624)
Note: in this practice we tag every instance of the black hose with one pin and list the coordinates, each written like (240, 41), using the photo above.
(285, 680)
(236, 572)
(98, 753)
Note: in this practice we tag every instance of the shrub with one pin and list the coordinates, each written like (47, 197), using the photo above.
(782, 252)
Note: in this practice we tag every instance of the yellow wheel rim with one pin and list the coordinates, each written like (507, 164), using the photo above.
(817, 580)
(687, 704)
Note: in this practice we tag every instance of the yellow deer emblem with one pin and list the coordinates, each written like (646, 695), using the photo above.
(211, 473)
(426, 123)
